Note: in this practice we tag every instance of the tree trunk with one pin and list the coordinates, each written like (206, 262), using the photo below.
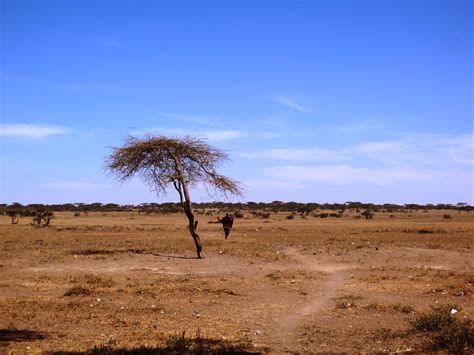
(182, 189)
(192, 230)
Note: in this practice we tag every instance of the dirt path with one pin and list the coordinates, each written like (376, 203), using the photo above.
(284, 335)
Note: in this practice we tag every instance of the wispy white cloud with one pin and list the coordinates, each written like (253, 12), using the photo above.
(290, 103)
(30, 131)
(437, 151)
(74, 186)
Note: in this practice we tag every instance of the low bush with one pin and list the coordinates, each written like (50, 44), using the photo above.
(445, 330)
(77, 290)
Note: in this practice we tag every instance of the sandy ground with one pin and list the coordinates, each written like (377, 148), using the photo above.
(126, 280)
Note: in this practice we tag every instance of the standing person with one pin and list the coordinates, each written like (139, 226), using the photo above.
(227, 223)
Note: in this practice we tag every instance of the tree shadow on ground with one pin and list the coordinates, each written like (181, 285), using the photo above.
(176, 256)
(17, 335)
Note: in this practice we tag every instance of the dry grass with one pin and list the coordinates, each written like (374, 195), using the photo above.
(130, 282)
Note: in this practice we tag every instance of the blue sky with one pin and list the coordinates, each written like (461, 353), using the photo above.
(321, 101)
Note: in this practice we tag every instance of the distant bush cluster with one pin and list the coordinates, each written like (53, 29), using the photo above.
(40, 217)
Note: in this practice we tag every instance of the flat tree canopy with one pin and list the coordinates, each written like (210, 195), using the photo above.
(163, 162)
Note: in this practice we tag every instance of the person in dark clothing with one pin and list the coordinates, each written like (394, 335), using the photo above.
(227, 223)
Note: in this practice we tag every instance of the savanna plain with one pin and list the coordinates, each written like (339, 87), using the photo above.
(129, 283)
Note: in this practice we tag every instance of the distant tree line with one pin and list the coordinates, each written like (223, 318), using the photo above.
(257, 209)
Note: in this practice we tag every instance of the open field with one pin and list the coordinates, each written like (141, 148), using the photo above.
(129, 280)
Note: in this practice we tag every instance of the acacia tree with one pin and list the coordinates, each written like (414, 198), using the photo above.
(179, 163)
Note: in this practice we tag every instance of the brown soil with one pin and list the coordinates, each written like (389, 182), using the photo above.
(125, 280)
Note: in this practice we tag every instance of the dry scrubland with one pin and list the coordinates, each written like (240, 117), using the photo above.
(130, 281)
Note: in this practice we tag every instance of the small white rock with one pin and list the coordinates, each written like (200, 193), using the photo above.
(258, 332)
(454, 311)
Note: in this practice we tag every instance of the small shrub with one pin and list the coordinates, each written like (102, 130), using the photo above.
(324, 215)
(291, 216)
(77, 290)
(238, 214)
(425, 231)
(14, 215)
(447, 216)
(367, 214)
(42, 218)
(265, 215)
